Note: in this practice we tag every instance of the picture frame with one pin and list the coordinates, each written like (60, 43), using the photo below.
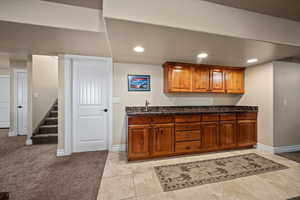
(139, 83)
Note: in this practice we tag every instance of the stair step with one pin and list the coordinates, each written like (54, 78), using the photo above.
(51, 118)
(55, 107)
(51, 121)
(45, 138)
(53, 113)
(49, 126)
(45, 135)
(47, 129)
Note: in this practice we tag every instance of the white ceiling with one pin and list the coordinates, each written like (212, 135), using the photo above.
(24, 39)
(289, 9)
(170, 44)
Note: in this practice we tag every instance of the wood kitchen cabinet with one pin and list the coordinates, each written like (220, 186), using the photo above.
(234, 80)
(209, 133)
(178, 78)
(227, 135)
(138, 141)
(247, 129)
(199, 78)
(217, 83)
(151, 136)
(163, 139)
(246, 133)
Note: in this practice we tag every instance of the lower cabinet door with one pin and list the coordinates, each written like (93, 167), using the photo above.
(209, 135)
(138, 141)
(163, 139)
(187, 147)
(246, 133)
(227, 136)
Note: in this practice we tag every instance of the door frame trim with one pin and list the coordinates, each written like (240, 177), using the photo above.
(9, 103)
(66, 62)
(15, 98)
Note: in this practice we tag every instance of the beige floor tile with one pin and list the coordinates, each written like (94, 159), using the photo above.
(146, 183)
(138, 181)
(290, 187)
(158, 196)
(133, 198)
(195, 193)
(114, 169)
(292, 173)
(232, 190)
(116, 188)
(261, 189)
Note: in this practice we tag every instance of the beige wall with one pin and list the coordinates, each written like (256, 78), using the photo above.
(4, 65)
(156, 96)
(4, 71)
(44, 86)
(286, 104)
(259, 92)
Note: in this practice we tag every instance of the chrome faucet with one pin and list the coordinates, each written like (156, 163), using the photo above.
(147, 103)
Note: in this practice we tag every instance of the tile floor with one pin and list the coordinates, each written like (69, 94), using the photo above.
(137, 180)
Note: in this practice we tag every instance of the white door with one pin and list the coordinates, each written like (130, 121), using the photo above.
(4, 101)
(90, 104)
(21, 83)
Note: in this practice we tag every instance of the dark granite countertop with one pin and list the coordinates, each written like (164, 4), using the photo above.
(167, 110)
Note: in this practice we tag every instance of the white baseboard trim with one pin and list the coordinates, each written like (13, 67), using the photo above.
(11, 134)
(118, 147)
(285, 149)
(28, 142)
(266, 148)
(282, 149)
(61, 152)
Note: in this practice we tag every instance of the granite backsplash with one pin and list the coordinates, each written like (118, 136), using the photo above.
(189, 109)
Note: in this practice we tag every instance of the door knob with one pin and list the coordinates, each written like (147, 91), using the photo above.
(105, 110)
(20, 106)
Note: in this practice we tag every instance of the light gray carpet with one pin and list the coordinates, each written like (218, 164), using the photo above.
(183, 175)
(295, 156)
(35, 173)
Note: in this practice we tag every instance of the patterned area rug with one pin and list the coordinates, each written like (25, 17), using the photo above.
(179, 176)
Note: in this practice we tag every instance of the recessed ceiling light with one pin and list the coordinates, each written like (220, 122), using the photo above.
(202, 55)
(139, 49)
(252, 60)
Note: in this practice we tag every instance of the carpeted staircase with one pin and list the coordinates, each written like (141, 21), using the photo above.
(46, 133)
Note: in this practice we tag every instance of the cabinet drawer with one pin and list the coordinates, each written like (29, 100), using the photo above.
(187, 126)
(182, 147)
(187, 118)
(162, 119)
(138, 120)
(227, 117)
(249, 115)
(210, 117)
(188, 135)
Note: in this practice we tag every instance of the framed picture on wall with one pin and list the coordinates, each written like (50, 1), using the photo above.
(138, 83)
